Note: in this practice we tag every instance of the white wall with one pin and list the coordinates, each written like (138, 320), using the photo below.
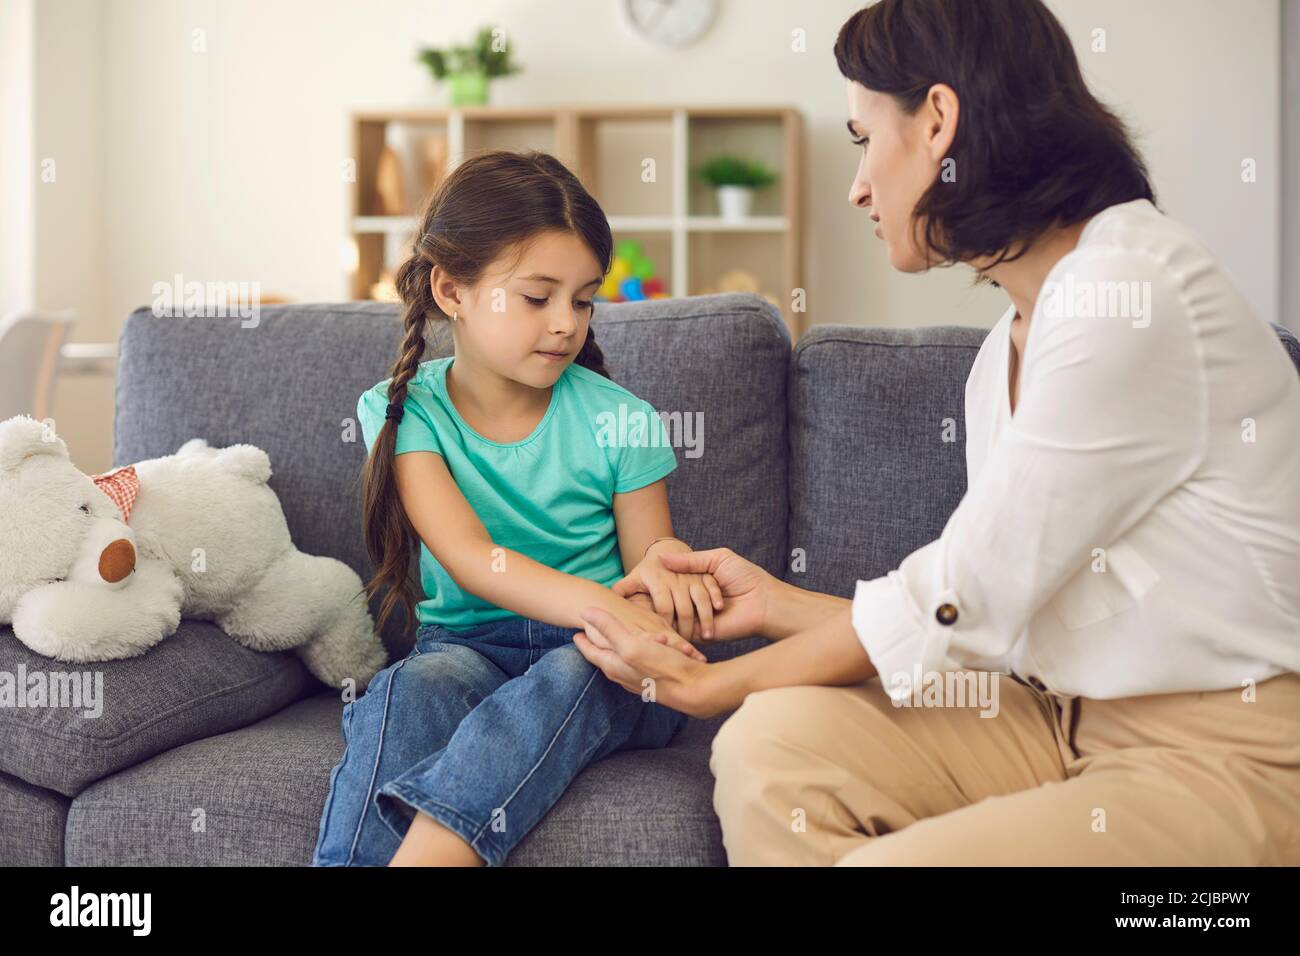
(225, 164)
(1289, 252)
(73, 247)
(17, 159)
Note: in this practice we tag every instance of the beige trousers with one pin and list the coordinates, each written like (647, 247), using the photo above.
(839, 775)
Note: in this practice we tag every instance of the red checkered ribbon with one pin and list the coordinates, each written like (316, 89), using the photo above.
(120, 484)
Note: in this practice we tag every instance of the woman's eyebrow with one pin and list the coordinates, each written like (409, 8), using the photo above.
(536, 277)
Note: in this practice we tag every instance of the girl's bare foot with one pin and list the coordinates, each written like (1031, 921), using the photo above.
(429, 843)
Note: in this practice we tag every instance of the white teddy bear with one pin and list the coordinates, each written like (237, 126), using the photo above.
(198, 533)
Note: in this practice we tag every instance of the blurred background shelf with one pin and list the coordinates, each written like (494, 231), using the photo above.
(639, 162)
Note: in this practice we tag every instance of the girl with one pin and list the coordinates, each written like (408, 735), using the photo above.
(495, 462)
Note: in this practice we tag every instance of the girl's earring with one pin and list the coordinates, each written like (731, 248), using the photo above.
(454, 315)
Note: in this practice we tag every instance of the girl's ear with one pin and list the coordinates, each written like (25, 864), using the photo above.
(444, 291)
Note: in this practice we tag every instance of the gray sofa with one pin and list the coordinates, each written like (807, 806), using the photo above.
(208, 754)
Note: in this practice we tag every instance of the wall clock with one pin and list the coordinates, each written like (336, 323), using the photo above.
(670, 23)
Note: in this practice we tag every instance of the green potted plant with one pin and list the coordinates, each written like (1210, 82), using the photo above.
(736, 180)
(467, 69)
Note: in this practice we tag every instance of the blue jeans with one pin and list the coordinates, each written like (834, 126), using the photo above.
(480, 729)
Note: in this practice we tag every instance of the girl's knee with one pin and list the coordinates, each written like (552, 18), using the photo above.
(564, 666)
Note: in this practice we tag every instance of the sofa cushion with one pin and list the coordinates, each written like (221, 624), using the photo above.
(195, 683)
(290, 385)
(251, 796)
(634, 808)
(261, 790)
(31, 824)
(871, 477)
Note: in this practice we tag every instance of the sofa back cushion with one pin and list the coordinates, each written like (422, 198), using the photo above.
(289, 384)
(877, 447)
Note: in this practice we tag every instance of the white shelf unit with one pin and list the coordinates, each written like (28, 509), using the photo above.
(606, 146)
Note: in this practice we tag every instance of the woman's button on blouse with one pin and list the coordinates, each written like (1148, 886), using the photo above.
(946, 613)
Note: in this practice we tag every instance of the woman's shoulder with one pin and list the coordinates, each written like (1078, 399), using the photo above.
(1132, 268)
(1134, 241)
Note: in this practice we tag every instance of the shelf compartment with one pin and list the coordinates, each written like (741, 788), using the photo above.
(757, 138)
(711, 255)
(610, 159)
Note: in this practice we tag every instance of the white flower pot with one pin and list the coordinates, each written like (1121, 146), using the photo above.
(734, 202)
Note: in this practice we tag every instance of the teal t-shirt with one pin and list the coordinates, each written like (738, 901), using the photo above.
(549, 496)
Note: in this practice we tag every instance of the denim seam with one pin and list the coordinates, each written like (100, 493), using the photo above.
(484, 838)
(379, 752)
(542, 759)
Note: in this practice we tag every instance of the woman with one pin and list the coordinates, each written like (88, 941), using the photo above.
(1126, 556)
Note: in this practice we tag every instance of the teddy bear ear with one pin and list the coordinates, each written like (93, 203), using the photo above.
(23, 437)
(247, 461)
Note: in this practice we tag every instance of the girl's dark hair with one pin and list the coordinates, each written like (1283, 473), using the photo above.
(1033, 148)
(489, 203)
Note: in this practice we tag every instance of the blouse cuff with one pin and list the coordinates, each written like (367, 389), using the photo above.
(903, 645)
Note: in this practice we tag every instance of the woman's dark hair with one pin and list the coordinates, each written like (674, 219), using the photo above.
(1033, 148)
(488, 204)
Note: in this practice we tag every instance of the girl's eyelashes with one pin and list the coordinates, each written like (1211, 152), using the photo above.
(578, 303)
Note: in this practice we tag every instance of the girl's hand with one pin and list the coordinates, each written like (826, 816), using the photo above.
(678, 598)
(748, 589)
(638, 616)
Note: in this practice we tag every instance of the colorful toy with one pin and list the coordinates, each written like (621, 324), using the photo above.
(632, 276)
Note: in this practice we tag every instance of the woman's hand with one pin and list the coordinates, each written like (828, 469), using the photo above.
(677, 596)
(746, 589)
(638, 661)
(638, 617)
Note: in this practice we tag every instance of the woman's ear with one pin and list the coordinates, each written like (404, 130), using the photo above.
(941, 110)
(446, 294)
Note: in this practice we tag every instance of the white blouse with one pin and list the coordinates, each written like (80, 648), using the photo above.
(1134, 527)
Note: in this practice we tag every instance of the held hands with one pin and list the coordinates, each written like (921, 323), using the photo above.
(744, 586)
(634, 655)
(634, 659)
(639, 617)
(682, 597)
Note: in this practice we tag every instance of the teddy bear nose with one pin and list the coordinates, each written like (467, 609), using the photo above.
(117, 561)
